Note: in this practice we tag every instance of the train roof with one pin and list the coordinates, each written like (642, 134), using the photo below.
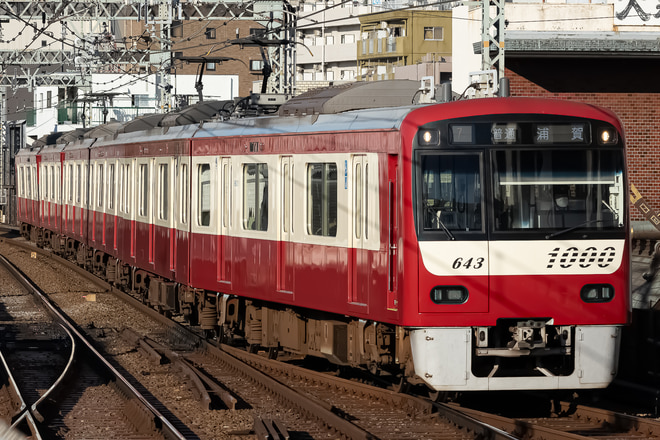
(372, 119)
(353, 96)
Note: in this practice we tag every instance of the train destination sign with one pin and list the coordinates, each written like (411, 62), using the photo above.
(575, 133)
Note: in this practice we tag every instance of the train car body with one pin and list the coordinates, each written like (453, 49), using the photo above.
(472, 245)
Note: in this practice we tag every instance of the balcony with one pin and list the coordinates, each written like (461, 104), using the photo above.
(382, 47)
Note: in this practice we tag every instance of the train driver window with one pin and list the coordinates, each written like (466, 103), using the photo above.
(451, 192)
(204, 194)
(322, 199)
(255, 196)
(557, 189)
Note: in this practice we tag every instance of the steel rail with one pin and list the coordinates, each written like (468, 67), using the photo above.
(159, 421)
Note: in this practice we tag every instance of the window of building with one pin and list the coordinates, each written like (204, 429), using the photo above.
(255, 197)
(347, 39)
(49, 99)
(322, 199)
(204, 191)
(256, 65)
(210, 33)
(347, 75)
(329, 40)
(433, 33)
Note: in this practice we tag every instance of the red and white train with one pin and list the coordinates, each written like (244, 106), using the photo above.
(471, 245)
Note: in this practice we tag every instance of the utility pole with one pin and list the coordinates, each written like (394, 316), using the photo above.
(492, 36)
(486, 82)
(279, 44)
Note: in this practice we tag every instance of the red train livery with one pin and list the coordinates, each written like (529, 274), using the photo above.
(470, 245)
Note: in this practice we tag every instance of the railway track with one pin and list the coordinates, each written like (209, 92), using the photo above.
(256, 396)
(572, 422)
(225, 381)
(58, 380)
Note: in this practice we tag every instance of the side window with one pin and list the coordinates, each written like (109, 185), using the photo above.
(128, 188)
(255, 197)
(70, 175)
(322, 199)
(29, 182)
(55, 189)
(226, 196)
(204, 194)
(78, 183)
(99, 198)
(143, 189)
(164, 185)
(21, 182)
(111, 186)
(45, 181)
(185, 193)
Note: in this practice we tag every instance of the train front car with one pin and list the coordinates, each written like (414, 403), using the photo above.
(518, 226)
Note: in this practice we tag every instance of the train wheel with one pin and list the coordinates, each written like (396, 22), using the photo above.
(272, 352)
(442, 396)
(403, 386)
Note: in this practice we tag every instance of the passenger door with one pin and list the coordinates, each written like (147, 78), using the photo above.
(285, 258)
(224, 240)
(359, 231)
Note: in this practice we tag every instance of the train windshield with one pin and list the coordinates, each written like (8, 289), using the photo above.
(451, 193)
(558, 191)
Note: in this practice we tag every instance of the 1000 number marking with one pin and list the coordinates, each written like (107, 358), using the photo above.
(572, 256)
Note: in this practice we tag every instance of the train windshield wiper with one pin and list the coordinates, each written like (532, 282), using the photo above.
(572, 228)
(444, 228)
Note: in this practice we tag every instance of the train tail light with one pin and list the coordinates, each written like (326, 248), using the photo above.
(449, 294)
(597, 293)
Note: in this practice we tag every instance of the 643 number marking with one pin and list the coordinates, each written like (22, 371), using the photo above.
(468, 263)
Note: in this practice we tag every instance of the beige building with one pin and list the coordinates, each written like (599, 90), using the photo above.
(392, 40)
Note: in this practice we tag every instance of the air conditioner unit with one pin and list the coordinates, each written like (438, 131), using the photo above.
(383, 25)
(317, 33)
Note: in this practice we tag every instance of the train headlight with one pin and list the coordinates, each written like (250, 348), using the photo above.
(449, 294)
(428, 137)
(607, 136)
(597, 293)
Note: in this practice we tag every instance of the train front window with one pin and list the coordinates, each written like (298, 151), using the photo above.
(558, 190)
(451, 193)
